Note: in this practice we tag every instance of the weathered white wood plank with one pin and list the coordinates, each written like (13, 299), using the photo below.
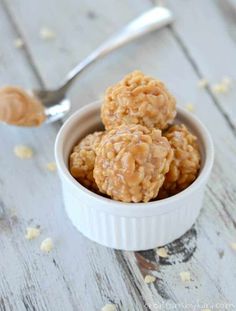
(218, 214)
(158, 54)
(79, 26)
(77, 269)
(20, 289)
(207, 29)
(14, 67)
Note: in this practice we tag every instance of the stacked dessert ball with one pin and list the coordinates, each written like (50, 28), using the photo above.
(140, 156)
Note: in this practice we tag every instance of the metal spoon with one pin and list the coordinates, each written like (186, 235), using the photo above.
(55, 101)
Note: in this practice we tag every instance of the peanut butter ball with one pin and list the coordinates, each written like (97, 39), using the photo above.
(138, 99)
(131, 163)
(185, 165)
(82, 159)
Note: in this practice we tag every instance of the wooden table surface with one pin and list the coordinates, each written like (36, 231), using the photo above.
(79, 274)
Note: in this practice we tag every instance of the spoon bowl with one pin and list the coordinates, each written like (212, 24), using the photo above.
(56, 104)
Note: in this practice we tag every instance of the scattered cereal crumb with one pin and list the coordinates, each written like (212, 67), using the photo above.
(46, 245)
(185, 276)
(223, 86)
(233, 246)
(162, 252)
(47, 34)
(190, 107)
(219, 88)
(203, 83)
(19, 43)
(51, 166)
(149, 279)
(227, 81)
(32, 233)
(23, 152)
(109, 307)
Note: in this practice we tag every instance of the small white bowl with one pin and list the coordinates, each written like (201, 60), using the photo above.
(129, 226)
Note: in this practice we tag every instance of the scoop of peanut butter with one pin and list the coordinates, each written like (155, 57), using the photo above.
(19, 108)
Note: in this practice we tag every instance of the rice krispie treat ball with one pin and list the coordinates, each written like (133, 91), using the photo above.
(131, 163)
(186, 161)
(82, 159)
(138, 99)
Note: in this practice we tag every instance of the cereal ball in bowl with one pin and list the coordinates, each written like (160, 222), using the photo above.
(128, 226)
(138, 99)
(185, 165)
(82, 159)
(131, 163)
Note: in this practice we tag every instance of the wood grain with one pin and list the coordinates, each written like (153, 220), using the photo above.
(77, 269)
(79, 274)
(210, 43)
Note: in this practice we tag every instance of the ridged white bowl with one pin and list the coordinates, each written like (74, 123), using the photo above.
(129, 226)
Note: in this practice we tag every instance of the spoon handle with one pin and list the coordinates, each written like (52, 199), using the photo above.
(147, 22)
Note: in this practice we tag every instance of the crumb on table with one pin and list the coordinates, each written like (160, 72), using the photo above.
(203, 83)
(18, 43)
(233, 246)
(185, 276)
(223, 86)
(23, 152)
(190, 107)
(47, 34)
(109, 307)
(32, 233)
(161, 252)
(46, 245)
(149, 279)
(51, 166)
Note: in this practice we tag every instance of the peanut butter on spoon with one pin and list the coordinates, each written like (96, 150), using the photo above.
(17, 107)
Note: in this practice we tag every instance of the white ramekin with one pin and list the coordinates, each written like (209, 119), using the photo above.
(129, 226)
